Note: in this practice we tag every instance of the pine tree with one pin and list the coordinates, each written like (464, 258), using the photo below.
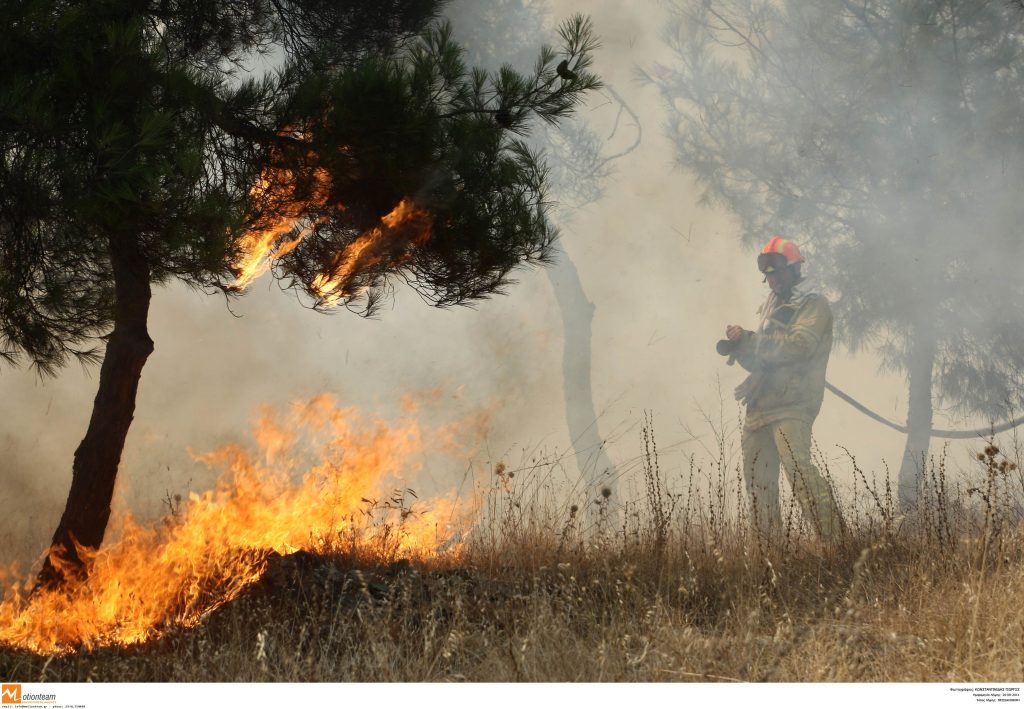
(138, 148)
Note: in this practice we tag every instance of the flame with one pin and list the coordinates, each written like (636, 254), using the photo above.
(287, 222)
(265, 243)
(402, 229)
(175, 572)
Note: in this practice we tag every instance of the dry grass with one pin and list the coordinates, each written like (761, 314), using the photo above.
(673, 588)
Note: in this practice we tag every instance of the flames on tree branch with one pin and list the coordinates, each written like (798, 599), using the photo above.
(280, 231)
(294, 205)
(382, 248)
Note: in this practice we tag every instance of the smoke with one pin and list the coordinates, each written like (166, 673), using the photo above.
(887, 142)
(665, 273)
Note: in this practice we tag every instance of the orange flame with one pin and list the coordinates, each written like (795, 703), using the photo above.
(265, 243)
(287, 223)
(402, 229)
(175, 572)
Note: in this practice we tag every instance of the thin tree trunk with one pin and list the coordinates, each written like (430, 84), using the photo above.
(919, 414)
(577, 312)
(87, 510)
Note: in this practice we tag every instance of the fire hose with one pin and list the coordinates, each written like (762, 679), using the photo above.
(727, 348)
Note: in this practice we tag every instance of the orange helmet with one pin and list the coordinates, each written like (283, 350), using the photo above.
(777, 254)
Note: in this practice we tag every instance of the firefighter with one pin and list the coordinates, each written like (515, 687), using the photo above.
(786, 357)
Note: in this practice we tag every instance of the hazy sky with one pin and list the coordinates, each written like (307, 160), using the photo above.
(666, 277)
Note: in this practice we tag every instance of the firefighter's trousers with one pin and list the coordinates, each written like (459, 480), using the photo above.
(787, 442)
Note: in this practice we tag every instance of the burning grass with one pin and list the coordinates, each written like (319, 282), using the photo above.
(321, 481)
(673, 587)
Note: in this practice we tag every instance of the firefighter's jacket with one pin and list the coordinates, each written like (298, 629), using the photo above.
(787, 358)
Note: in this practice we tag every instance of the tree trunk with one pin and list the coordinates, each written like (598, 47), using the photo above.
(577, 312)
(919, 414)
(87, 510)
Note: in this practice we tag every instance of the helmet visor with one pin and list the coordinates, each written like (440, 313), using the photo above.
(771, 262)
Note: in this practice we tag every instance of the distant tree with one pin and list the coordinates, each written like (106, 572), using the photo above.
(137, 148)
(579, 162)
(888, 137)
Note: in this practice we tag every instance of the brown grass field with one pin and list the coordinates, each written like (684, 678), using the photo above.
(674, 587)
